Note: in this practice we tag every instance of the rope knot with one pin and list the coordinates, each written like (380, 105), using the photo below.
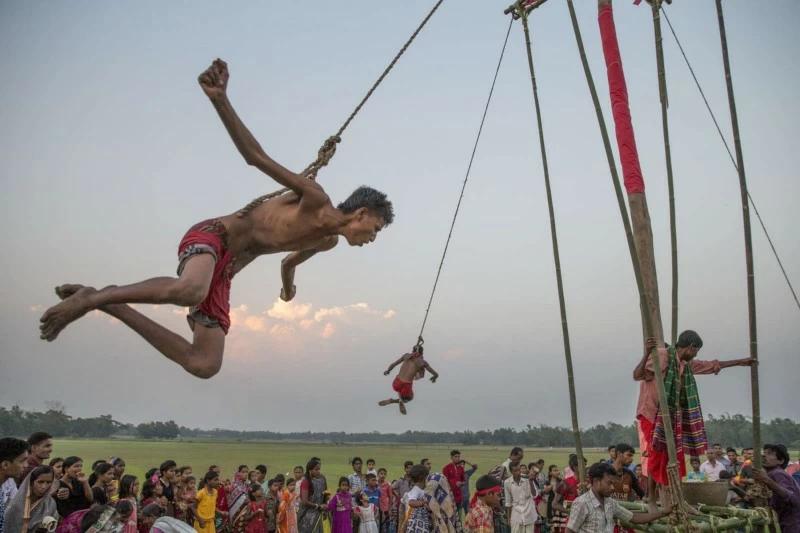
(324, 156)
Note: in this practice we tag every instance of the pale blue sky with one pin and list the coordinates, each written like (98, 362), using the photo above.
(110, 152)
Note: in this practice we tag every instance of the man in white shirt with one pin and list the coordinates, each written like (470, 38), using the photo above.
(712, 468)
(519, 502)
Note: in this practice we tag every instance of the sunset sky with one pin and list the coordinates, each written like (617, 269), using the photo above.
(111, 152)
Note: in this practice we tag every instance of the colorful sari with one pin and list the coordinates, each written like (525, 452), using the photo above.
(444, 512)
(23, 515)
(287, 513)
(309, 519)
(683, 402)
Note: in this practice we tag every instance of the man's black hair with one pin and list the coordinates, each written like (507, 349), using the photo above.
(612, 447)
(262, 469)
(418, 473)
(11, 448)
(423, 460)
(732, 450)
(38, 437)
(486, 482)
(370, 476)
(780, 452)
(406, 464)
(356, 460)
(516, 450)
(624, 448)
(166, 465)
(598, 470)
(374, 201)
(453, 453)
(689, 338)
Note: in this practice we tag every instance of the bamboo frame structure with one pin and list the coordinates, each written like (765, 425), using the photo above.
(673, 234)
(523, 14)
(748, 242)
(640, 242)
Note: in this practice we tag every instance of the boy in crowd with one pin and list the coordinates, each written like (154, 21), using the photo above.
(595, 511)
(487, 497)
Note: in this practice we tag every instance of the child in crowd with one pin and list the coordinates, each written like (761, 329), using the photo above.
(367, 513)
(385, 502)
(128, 490)
(204, 510)
(487, 497)
(287, 510)
(256, 521)
(371, 467)
(341, 507)
(272, 501)
(417, 518)
(188, 498)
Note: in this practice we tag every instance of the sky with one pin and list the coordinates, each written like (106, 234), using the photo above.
(111, 152)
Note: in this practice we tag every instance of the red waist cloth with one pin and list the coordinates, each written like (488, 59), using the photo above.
(626, 142)
(212, 234)
(404, 388)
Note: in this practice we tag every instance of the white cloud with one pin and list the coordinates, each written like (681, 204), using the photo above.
(288, 311)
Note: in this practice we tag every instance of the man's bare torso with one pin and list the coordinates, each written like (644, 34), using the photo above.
(281, 224)
(413, 367)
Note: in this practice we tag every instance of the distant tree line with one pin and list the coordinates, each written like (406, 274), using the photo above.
(729, 430)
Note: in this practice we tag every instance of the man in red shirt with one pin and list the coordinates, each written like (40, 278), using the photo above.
(454, 472)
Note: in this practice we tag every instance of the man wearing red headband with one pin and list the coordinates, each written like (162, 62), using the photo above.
(487, 497)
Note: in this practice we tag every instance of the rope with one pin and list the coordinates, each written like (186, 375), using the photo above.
(466, 178)
(328, 148)
(733, 160)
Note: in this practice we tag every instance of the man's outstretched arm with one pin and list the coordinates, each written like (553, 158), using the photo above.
(214, 82)
(394, 364)
(291, 261)
(435, 374)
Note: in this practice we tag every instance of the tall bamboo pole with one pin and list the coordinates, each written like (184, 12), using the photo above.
(573, 405)
(748, 243)
(662, 93)
(640, 246)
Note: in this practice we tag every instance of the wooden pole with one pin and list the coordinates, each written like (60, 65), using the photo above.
(673, 235)
(573, 404)
(748, 244)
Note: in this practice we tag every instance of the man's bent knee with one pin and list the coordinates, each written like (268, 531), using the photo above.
(188, 293)
(203, 369)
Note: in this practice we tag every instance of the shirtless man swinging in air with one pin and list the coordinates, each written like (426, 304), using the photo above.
(412, 367)
(302, 222)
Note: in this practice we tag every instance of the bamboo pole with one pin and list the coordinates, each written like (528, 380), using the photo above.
(748, 244)
(573, 403)
(640, 244)
(673, 234)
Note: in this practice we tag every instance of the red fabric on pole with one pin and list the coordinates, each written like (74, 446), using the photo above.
(626, 142)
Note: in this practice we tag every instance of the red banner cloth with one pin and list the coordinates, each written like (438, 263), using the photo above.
(626, 141)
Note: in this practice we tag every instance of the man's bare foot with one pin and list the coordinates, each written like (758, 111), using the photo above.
(402, 407)
(61, 315)
(384, 403)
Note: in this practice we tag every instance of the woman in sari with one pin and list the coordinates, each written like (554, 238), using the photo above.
(238, 498)
(312, 491)
(32, 503)
(444, 512)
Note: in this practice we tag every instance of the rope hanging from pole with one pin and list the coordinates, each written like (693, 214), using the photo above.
(464, 184)
(328, 148)
(733, 160)
(573, 402)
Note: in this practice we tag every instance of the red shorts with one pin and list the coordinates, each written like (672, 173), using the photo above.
(404, 388)
(210, 237)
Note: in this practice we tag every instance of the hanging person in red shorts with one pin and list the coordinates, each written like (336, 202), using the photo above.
(412, 367)
(302, 222)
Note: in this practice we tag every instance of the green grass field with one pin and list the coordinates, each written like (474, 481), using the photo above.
(140, 456)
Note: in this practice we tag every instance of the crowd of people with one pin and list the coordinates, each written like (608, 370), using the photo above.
(40, 493)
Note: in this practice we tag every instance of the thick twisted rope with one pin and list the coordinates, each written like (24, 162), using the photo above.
(328, 148)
